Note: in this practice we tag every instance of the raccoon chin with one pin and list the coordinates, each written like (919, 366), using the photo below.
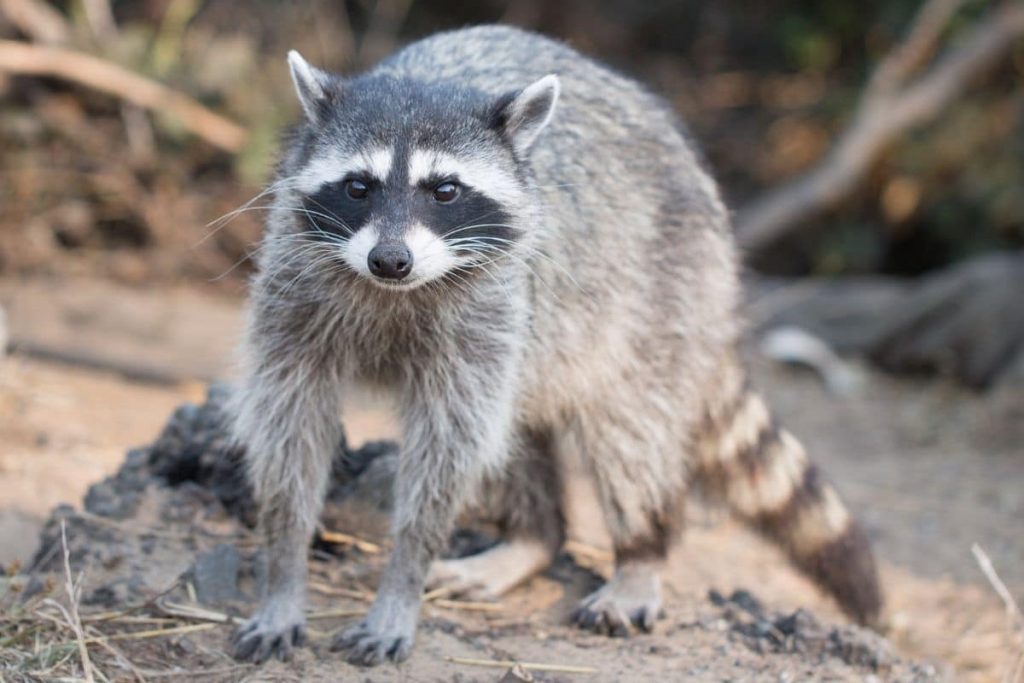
(406, 285)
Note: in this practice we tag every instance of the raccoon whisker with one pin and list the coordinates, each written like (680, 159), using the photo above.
(330, 218)
(497, 281)
(311, 260)
(312, 266)
(515, 257)
(219, 223)
(326, 236)
(439, 284)
(277, 207)
(309, 213)
(233, 266)
(528, 249)
(475, 218)
(464, 228)
(273, 187)
(267, 242)
(306, 246)
(335, 218)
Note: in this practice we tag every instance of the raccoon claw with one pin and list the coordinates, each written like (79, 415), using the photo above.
(601, 621)
(618, 605)
(260, 638)
(366, 647)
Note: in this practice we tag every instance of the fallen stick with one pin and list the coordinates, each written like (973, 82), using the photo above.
(529, 666)
(156, 632)
(37, 60)
(1012, 609)
(468, 606)
(335, 613)
(443, 591)
(194, 612)
(340, 538)
(340, 592)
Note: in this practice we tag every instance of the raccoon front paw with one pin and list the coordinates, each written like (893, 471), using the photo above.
(275, 630)
(387, 633)
(625, 600)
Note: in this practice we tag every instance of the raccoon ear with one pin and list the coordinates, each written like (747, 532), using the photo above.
(316, 88)
(522, 115)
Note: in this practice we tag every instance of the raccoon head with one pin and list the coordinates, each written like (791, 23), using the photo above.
(414, 181)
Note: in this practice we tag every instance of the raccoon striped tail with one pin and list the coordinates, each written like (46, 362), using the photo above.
(762, 473)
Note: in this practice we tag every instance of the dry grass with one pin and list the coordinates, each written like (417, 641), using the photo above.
(1014, 616)
(46, 636)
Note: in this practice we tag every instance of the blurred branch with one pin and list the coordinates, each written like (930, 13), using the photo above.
(891, 104)
(100, 18)
(37, 20)
(22, 58)
(920, 44)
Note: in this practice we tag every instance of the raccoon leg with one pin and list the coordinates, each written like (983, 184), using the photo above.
(456, 424)
(290, 431)
(762, 472)
(526, 502)
(643, 499)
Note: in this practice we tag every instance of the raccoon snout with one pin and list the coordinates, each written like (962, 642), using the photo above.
(390, 261)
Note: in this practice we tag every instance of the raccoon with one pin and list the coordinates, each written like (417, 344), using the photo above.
(523, 247)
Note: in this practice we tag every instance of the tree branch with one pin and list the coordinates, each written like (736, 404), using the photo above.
(22, 58)
(37, 20)
(889, 107)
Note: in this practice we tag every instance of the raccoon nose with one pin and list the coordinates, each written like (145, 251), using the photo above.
(390, 261)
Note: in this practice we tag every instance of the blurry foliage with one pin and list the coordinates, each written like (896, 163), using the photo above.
(764, 87)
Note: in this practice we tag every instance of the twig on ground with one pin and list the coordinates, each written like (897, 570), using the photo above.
(468, 605)
(529, 666)
(341, 592)
(441, 592)
(985, 564)
(194, 612)
(118, 619)
(38, 60)
(1013, 611)
(892, 103)
(156, 632)
(72, 612)
(340, 538)
(335, 613)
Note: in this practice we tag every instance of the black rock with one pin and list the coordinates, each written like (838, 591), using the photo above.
(215, 575)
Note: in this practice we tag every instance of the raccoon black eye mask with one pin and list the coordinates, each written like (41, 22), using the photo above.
(442, 229)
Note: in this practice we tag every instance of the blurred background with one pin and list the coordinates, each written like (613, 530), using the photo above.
(94, 184)
(873, 153)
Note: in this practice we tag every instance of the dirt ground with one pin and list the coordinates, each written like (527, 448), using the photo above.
(930, 469)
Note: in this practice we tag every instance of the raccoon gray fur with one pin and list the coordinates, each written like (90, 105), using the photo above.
(522, 246)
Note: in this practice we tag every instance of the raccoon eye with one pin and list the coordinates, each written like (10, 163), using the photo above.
(446, 192)
(356, 189)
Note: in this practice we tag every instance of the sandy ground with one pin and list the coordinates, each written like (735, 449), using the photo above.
(930, 470)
